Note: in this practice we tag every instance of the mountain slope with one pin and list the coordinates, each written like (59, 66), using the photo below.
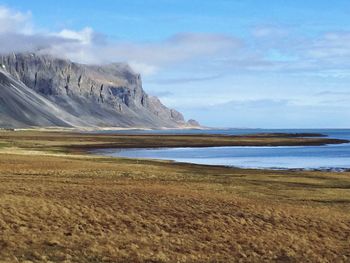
(85, 95)
(21, 106)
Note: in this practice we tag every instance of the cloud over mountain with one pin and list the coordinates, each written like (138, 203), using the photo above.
(271, 48)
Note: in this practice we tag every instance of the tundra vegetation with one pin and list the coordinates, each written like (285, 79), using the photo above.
(60, 204)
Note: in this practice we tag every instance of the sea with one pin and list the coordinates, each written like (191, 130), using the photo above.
(327, 157)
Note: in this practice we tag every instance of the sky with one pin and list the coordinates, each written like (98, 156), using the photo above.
(225, 63)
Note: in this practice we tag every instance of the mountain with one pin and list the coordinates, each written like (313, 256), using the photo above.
(21, 106)
(40, 90)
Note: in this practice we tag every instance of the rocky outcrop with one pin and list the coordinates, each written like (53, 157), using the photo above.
(20, 106)
(110, 95)
(193, 123)
(163, 112)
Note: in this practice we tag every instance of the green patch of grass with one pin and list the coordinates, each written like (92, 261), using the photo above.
(3, 144)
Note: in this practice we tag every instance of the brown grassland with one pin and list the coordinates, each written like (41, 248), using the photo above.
(59, 204)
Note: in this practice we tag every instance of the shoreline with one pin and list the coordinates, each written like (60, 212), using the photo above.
(255, 140)
(105, 153)
(78, 141)
(54, 202)
(68, 143)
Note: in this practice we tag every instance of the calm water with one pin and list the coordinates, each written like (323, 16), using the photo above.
(300, 157)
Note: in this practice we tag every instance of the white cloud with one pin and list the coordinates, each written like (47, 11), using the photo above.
(268, 31)
(13, 21)
(85, 36)
(207, 53)
(178, 48)
(146, 69)
(86, 46)
(17, 33)
(15, 42)
(333, 45)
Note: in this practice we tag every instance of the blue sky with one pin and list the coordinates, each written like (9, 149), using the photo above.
(232, 63)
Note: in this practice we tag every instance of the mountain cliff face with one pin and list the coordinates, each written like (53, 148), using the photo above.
(85, 95)
(20, 106)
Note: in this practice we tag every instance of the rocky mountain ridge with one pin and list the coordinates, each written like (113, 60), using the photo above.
(103, 96)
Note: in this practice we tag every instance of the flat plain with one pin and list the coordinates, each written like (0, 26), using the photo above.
(59, 203)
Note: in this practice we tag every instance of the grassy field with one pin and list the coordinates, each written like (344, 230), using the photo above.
(82, 142)
(59, 204)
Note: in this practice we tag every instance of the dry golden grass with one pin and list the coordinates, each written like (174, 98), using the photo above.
(87, 209)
